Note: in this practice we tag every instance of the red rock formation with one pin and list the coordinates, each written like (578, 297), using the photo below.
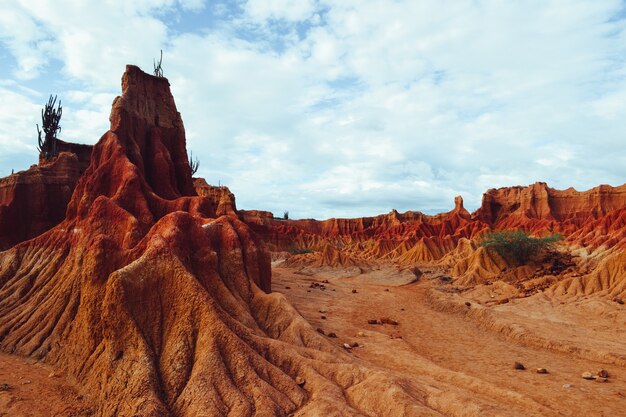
(155, 304)
(221, 197)
(35, 200)
(82, 152)
(540, 208)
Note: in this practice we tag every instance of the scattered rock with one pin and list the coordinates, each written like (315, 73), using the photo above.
(347, 346)
(567, 385)
(360, 334)
(387, 320)
(300, 381)
(618, 300)
(322, 311)
(320, 330)
(386, 289)
(542, 371)
(287, 288)
(467, 303)
(323, 317)
(519, 366)
(601, 379)
(52, 375)
(588, 376)
(354, 291)
(332, 335)
(5, 387)
(325, 281)
(26, 382)
(373, 321)
(354, 344)
(602, 373)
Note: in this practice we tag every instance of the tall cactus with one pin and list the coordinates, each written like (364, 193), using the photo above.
(50, 118)
(194, 164)
(158, 71)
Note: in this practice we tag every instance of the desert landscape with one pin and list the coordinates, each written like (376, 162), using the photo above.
(130, 288)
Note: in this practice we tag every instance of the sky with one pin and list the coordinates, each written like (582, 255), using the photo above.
(339, 108)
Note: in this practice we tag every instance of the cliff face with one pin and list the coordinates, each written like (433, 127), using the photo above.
(157, 305)
(221, 197)
(539, 206)
(35, 200)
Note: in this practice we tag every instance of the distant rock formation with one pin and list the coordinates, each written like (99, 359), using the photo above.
(221, 197)
(35, 200)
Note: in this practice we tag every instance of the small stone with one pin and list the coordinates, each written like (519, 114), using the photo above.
(323, 317)
(52, 375)
(354, 291)
(360, 334)
(567, 385)
(542, 371)
(602, 373)
(387, 320)
(519, 366)
(354, 344)
(308, 290)
(601, 379)
(373, 321)
(467, 303)
(300, 381)
(5, 387)
(322, 311)
(325, 281)
(26, 382)
(347, 346)
(287, 288)
(588, 376)
(320, 330)
(386, 289)
(332, 335)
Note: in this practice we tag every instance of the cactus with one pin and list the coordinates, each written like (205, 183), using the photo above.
(50, 118)
(158, 71)
(194, 164)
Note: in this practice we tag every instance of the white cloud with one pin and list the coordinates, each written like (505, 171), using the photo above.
(329, 108)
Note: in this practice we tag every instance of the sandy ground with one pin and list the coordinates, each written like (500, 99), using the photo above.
(464, 356)
(460, 357)
(31, 389)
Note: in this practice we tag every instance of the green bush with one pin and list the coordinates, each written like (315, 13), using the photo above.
(517, 246)
(296, 251)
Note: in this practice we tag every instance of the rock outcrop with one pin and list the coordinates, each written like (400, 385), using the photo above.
(35, 200)
(158, 305)
(221, 197)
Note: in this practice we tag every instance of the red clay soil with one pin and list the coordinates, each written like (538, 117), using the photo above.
(29, 388)
(462, 357)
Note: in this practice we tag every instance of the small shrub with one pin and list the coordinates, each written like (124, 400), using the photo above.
(517, 246)
(297, 251)
(285, 215)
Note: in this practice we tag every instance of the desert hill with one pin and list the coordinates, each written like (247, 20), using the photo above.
(150, 294)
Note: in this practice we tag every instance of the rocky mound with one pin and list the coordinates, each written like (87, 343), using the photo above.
(35, 200)
(159, 306)
(593, 224)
